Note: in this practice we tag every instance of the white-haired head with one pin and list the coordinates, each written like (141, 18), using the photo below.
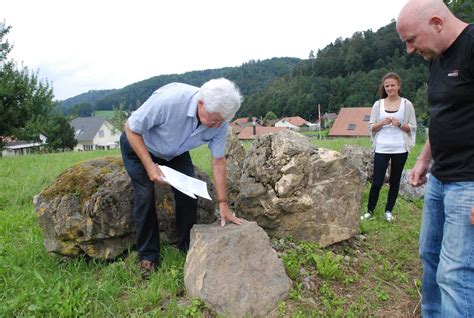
(221, 96)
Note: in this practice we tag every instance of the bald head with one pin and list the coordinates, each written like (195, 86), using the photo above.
(428, 27)
(420, 11)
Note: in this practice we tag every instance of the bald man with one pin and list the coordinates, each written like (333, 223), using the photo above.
(447, 233)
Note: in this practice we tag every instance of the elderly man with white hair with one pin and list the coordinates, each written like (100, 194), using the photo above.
(176, 118)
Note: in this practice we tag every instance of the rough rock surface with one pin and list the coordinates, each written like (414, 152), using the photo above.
(290, 187)
(88, 210)
(235, 156)
(234, 270)
(362, 159)
(409, 192)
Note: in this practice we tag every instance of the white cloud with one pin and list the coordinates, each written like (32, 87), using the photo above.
(105, 44)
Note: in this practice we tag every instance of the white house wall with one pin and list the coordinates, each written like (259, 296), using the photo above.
(109, 138)
(287, 125)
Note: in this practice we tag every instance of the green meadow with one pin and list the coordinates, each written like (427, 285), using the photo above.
(375, 274)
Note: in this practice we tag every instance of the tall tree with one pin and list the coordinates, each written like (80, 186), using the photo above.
(5, 47)
(26, 102)
(60, 134)
(119, 118)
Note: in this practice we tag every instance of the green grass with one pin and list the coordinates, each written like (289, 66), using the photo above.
(380, 278)
(107, 114)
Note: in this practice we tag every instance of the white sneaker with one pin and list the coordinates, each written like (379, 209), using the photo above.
(367, 216)
(388, 216)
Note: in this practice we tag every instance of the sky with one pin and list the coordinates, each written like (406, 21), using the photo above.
(85, 45)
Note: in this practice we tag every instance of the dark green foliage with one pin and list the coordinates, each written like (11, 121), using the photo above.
(81, 110)
(60, 134)
(25, 102)
(270, 116)
(463, 9)
(119, 118)
(85, 98)
(5, 47)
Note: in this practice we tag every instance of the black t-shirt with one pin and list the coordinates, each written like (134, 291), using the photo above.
(451, 99)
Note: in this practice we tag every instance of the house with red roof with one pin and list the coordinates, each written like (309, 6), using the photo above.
(295, 123)
(240, 123)
(351, 122)
(251, 132)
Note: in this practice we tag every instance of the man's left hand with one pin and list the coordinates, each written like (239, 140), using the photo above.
(227, 215)
(472, 216)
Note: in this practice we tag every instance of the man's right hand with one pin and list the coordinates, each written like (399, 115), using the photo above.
(155, 174)
(417, 175)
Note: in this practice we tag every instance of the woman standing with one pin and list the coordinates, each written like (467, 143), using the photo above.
(393, 131)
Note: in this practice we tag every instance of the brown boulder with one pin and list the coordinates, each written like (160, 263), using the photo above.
(88, 210)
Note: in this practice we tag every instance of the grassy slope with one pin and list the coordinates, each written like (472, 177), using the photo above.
(379, 276)
(107, 114)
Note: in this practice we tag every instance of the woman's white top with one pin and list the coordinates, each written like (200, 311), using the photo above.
(390, 138)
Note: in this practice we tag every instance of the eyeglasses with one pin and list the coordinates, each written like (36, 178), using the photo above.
(216, 121)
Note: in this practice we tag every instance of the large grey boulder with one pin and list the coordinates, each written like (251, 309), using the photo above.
(407, 191)
(87, 210)
(234, 270)
(363, 160)
(290, 187)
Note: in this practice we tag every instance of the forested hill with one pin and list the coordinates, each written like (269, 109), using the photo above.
(345, 73)
(90, 97)
(251, 77)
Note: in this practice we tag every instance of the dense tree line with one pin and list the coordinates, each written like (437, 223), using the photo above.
(85, 98)
(27, 107)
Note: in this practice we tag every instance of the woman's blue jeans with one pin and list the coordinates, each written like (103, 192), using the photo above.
(144, 210)
(447, 250)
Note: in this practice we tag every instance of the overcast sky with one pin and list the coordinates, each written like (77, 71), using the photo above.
(89, 45)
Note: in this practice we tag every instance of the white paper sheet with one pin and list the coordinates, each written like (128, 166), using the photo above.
(188, 185)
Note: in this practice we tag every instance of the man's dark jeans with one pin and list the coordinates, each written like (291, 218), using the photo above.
(144, 211)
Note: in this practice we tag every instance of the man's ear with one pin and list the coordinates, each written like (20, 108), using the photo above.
(437, 23)
(201, 105)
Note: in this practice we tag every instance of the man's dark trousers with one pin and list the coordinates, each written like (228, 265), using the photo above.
(144, 211)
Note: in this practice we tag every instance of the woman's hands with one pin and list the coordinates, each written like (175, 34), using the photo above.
(390, 121)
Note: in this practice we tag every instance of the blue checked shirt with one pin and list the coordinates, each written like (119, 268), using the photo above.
(169, 125)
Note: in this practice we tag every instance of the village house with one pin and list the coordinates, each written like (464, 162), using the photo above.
(296, 123)
(23, 147)
(94, 133)
(252, 132)
(351, 122)
(239, 124)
